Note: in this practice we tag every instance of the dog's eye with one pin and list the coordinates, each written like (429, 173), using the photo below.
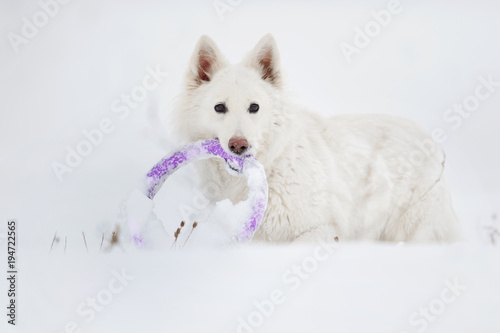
(220, 108)
(253, 108)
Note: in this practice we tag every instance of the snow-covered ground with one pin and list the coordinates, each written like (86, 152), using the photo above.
(68, 79)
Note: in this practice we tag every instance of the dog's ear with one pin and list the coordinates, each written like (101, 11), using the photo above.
(265, 59)
(205, 62)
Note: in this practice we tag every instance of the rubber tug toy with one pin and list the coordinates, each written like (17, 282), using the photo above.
(245, 165)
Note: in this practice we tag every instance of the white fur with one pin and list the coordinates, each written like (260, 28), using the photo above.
(336, 177)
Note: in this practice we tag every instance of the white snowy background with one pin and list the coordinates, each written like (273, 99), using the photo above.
(65, 79)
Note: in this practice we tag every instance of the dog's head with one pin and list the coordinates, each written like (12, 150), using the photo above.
(239, 105)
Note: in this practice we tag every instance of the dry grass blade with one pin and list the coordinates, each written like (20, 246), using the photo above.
(53, 241)
(85, 241)
(195, 224)
(177, 232)
(176, 235)
(102, 241)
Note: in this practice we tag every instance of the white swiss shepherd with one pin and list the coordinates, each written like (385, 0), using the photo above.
(356, 177)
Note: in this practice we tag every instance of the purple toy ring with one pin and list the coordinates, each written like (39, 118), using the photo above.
(245, 164)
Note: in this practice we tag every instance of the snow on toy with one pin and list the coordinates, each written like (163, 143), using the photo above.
(245, 165)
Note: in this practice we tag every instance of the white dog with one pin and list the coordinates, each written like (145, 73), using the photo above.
(356, 177)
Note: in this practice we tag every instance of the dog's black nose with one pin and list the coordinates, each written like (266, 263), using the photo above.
(238, 145)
